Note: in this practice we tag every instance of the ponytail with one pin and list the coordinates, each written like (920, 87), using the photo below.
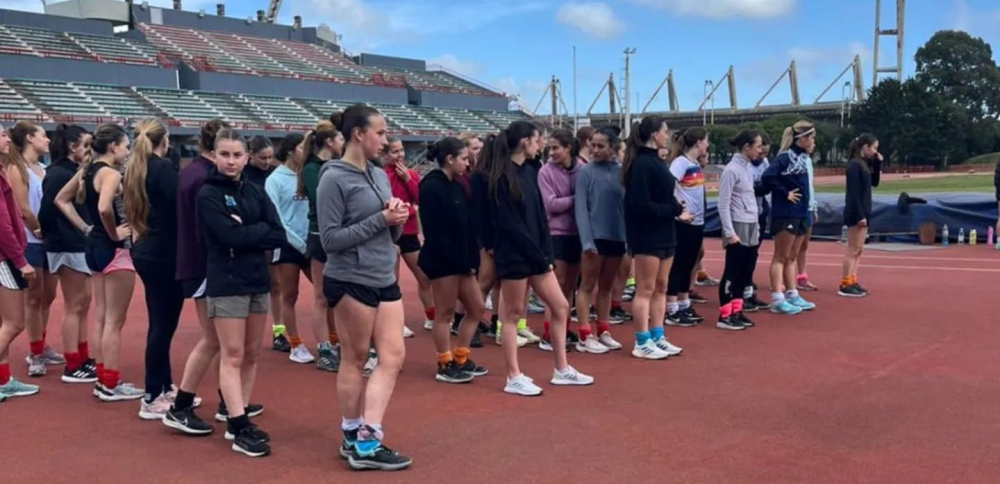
(148, 135)
(65, 136)
(854, 152)
(104, 136)
(793, 132)
(642, 132)
(497, 158)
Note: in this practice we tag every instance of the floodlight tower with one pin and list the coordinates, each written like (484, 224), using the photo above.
(897, 70)
(628, 92)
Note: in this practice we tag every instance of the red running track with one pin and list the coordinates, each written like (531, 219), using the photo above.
(898, 387)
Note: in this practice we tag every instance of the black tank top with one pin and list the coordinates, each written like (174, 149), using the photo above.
(98, 236)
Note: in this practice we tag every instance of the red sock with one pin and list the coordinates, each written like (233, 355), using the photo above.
(737, 305)
(72, 361)
(584, 331)
(603, 327)
(616, 304)
(726, 310)
(111, 378)
(84, 351)
(545, 332)
(429, 312)
(4, 373)
(37, 347)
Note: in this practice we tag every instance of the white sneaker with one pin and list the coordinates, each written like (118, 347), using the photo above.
(570, 376)
(370, 364)
(529, 335)
(591, 345)
(301, 354)
(649, 351)
(428, 324)
(521, 340)
(407, 332)
(489, 301)
(668, 347)
(522, 385)
(609, 342)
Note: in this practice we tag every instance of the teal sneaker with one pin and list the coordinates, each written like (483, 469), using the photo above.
(801, 303)
(14, 388)
(785, 307)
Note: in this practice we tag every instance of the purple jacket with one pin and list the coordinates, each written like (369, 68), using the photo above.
(557, 185)
(191, 256)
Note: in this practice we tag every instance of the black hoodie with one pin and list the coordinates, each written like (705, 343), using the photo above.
(520, 228)
(237, 264)
(450, 247)
(650, 204)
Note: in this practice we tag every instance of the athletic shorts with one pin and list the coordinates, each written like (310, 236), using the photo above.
(11, 278)
(567, 248)
(76, 261)
(314, 249)
(35, 254)
(105, 260)
(610, 248)
(193, 288)
(408, 244)
(237, 306)
(286, 254)
(658, 253)
(335, 290)
(794, 226)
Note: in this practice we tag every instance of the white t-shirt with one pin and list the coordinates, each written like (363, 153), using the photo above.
(690, 187)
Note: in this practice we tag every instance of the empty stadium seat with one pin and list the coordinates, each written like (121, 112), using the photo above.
(284, 112)
(113, 49)
(191, 45)
(182, 106)
(115, 100)
(48, 43)
(61, 100)
(409, 120)
(456, 119)
(14, 106)
(328, 62)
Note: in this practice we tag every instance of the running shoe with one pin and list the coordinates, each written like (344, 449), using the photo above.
(744, 319)
(380, 458)
(15, 388)
(407, 332)
(649, 351)
(83, 374)
(850, 290)
(801, 303)
(252, 410)
(36, 365)
(473, 369)
(609, 342)
(301, 354)
(592, 345)
(529, 335)
(668, 347)
(731, 323)
(246, 441)
(156, 409)
(451, 373)
(186, 421)
(570, 376)
(329, 358)
(120, 393)
(785, 307)
(696, 297)
(522, 385)
(280, 343)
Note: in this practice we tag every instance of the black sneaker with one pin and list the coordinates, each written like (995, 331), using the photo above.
(251, 411)
(247, 442)
(681, 319)
(494, 328)
(347, 443)
(572, 338)
(628, 294)
(483, 328)
(186, 421)
(79, 375)
(730, 323)
(329, 360)
(697, 298)
(476, 342)
(473, 369)
(254, 430)
(90, 365)
(744, 319)
(451, 373)
(280, 343)
(619, 315)
(861, 288)
(756, 304)
(692, 314)
(851, 291)
(382, 458)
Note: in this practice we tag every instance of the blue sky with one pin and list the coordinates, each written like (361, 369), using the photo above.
(517, 45)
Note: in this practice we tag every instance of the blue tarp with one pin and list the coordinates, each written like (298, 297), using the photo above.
(957, 210)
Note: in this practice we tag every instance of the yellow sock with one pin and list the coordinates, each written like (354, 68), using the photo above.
(522, 324)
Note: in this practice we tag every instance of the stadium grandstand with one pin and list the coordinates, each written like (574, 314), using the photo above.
(94, 61)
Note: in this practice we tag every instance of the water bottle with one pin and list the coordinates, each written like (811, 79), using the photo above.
(843, 234)
(961, 235)
(989, 235)
(972, 237)
(944, 236)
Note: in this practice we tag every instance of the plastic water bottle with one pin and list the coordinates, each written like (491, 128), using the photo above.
(961, 235)
(972, 237)
(989, 235)
(843, 234)
(944, 235)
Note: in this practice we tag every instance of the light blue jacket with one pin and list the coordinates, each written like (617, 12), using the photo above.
(292, 209)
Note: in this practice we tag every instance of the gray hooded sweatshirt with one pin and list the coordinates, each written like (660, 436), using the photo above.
(358, 242)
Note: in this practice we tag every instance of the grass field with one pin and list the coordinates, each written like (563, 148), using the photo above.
(892, 185)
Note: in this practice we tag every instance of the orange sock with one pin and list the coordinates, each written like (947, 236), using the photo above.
(444, 358)
(847, 281)
(461, 355)
(333, 338)
(294, 341)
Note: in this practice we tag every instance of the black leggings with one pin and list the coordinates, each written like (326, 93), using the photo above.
(689, 240)
(753, 265)
(738, 273)
(164, 301)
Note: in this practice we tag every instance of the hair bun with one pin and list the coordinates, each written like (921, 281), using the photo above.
(337, 119)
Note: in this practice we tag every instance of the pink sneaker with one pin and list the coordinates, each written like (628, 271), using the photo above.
(156, 409)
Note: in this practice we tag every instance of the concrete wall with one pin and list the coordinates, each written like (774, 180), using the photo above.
(52, 22)
(276, 86)
(390, 61)
(72, 70)
(455, 100)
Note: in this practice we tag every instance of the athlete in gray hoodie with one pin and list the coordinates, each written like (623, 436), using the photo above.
(355, 235)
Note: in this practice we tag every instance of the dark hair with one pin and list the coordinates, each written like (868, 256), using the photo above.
(104, 136)
(206, 139)
(443, 148)
(566, 140)
(357, 116)
(864, 139)
(765, 140)
(288, 145)
(228, 134)
(642, 132)
(745, 137)
(260, 143)
(612, 133)
(684, 140)
(496, 157)
(62, 141)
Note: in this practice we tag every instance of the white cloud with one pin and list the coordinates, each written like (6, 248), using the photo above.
(983, 23)
(595, 19)
(719, 9)
(529, 91)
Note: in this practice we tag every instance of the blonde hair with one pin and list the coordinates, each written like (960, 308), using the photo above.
(148, 135)
(19, 139)
(793, 132)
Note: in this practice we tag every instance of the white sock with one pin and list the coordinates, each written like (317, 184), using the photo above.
(672, 307)
(348, 424)
(748, 292)
(777, 298)
(792, 294)
(684, 304)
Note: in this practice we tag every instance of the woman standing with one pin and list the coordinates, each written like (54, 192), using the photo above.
(863, 172)
(15, 274)
(259, 168)
(149, 191)
(689, 146)
(25, 174)
(359, 220)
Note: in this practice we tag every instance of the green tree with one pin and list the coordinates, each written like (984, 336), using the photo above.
(719, 136)
(960, 68)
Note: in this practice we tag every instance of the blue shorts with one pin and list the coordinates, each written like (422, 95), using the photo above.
(35, 254)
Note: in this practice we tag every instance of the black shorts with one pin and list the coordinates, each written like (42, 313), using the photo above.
(852, 220)
(287, 254)
(314, 249)
(794, 226)
(515, 272)
(658, 253)
(335, 290)
(408, 244)
(35, 254)
(567, 248)
(11, 278)
(193, 288)
(610, 248)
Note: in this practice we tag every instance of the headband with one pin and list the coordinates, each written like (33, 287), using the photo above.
(805, 133)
